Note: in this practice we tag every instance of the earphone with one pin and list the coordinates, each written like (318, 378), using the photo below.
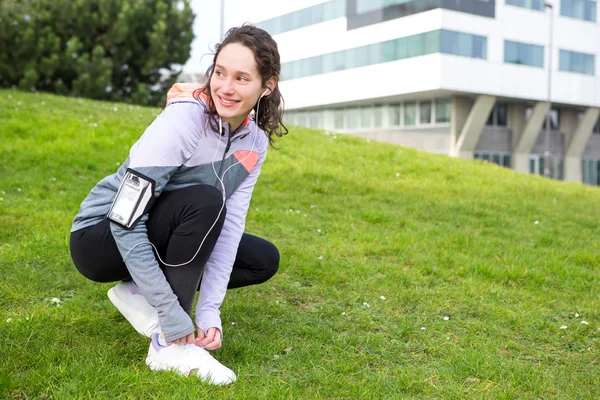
(220, 179)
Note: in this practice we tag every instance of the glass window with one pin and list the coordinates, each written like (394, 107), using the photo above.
(465, 44)
(375, 53)
(581, 9)
(554, 119)
(327, 10)
(302, 118)
(523, 53)
(315, 119)
(532, 165)
(339, 59)
(537, 56)
(425, 112)
(432, 42)
(449, 42)
(366, 117)
(350, 58)
(501, 114)
(410, 113)
(394, 114)
(388, 51)
(305, 66)
(511, 52)
(443, 109)
(328, 63)
(289, 117)
(338, 118)
(576, 62)
(352, 118)
(316, 14)
(361, 56)
(378, 116)
(295, 20)
(305, 17)
(416, 45)
(479, 47)
(315, 65)
(502, 159)
(401, 48)
(412, 46)
(532, 4)
(491, 117)
(498, 115)
(339, 8)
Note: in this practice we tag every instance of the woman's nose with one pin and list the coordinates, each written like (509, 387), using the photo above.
(227, 86)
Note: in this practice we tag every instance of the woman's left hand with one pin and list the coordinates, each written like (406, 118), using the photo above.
(211, 340)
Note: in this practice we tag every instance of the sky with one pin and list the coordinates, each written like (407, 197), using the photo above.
(207, 32)
(207, 26)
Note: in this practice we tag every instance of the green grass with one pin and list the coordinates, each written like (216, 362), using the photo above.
(437, 237)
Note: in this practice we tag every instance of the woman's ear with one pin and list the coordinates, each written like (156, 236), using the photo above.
(271, 83)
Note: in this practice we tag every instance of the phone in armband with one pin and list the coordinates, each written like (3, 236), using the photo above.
(133, 199)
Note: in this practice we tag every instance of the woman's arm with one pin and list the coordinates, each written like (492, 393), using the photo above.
(218, 267)
(165, 145)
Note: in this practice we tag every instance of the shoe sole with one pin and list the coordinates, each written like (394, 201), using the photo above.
(127, 310)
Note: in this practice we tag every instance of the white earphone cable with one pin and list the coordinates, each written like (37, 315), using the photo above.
(220, 179)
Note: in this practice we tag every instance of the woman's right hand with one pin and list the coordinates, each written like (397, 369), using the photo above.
(189, 339)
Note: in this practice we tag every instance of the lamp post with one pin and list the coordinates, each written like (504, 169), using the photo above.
(222, 19)
(547, 158)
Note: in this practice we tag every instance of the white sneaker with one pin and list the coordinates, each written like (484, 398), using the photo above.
(184, 358)
(134, 307)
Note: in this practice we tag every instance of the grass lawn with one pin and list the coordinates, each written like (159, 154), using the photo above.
(403, 274)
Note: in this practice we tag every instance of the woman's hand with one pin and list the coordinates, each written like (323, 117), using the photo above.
(210, 341)
(189, 339)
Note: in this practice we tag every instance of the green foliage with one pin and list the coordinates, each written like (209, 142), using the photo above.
(479, 301)
(102, 49)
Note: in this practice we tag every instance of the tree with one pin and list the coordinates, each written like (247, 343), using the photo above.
(122, 50)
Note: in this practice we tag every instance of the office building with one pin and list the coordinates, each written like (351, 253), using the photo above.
(467, 78)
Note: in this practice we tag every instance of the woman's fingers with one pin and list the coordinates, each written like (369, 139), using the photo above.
(210, 341)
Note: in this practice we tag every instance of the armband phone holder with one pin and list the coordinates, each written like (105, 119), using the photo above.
(133, 199)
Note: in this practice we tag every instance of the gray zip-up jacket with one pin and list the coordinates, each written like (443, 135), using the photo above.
(176, 151)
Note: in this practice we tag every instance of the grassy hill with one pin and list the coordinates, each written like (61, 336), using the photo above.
(403, 274)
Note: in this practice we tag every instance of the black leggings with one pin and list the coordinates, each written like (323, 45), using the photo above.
(176, 225)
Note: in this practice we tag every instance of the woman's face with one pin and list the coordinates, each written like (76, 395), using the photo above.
(235, 83)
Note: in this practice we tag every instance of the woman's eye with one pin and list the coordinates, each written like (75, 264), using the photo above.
(241, 78)
(219, 73)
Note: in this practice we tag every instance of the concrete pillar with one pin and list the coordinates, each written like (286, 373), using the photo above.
(528, 137)
(471, 131)
(577, 144)
(461, 106)
(516, 121)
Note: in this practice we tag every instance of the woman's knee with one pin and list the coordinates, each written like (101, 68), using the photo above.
(270, 265)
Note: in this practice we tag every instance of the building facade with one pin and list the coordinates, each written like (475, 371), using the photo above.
(468, 78)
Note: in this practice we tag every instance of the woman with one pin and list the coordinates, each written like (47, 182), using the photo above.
(184, 191)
